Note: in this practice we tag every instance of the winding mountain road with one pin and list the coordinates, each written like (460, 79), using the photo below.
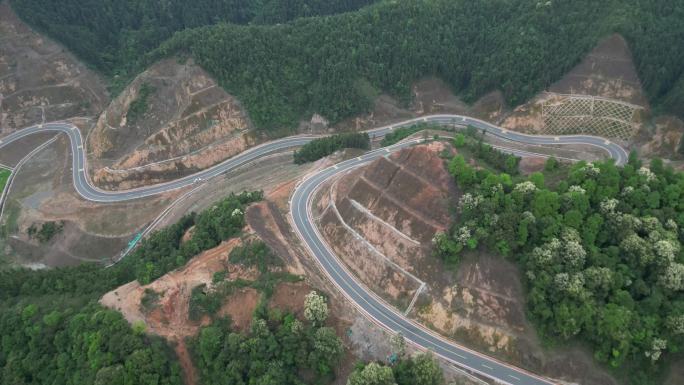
(88, 191)
(375, 308)
(379, 311)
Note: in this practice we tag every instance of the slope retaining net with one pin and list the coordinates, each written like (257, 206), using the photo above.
(590, 115)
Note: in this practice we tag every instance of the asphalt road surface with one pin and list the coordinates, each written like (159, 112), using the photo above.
(378, 310)
(86, 189)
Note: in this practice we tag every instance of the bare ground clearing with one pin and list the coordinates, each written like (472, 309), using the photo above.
(43, 191)
(41, 81)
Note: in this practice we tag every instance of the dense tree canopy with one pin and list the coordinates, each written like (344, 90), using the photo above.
(421, 369)
(53, 331)
(600, 250)
(51, 344)
(335, 65)
(111, 35)
(163, 251)
(321, 147)
(279, 349)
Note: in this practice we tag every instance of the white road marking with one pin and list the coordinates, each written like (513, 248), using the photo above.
(358, 158)
(556, 138)
(386, 150)
(514, 377)
(607, 142)
(335, 167)
(80, 170)
(460, 356)
(488, 367)
(504, 131)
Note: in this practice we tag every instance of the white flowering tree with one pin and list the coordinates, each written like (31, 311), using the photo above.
(673, 277)
(315, 308)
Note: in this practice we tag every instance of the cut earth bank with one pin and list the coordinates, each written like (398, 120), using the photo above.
(380, 220)
(170, 316)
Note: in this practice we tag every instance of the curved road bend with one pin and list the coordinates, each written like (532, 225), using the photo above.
(88, 191)
(378, 310)
(300, 208)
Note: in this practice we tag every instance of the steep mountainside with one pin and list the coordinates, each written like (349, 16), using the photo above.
(396, 204)
(335, 65)
(381, 220)
(171, 120)
(39, 80)
(608, 72)
(113, 36)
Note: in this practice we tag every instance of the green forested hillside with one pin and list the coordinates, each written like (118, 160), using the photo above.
(53, 331)
(322, 147)
(56, 343)
(112, 34)
(600, 249)
(336, 64)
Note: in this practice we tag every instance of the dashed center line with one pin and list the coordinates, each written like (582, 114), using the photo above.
(488, 367)
(514, 377)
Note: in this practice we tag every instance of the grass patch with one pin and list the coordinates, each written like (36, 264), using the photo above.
(4, 177)
(255, 253)
(404, 132)
(12, 210)
(46, 231)
(149, 300)
(139, 106)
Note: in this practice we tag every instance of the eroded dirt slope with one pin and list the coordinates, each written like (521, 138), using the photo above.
(396, 204)
(608, 71)
(173, 119)
(380, 220)
(169, 316)
(39, 80)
